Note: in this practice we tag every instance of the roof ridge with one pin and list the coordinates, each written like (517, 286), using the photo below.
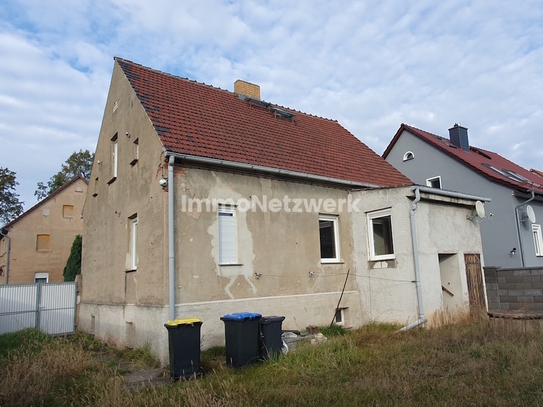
(218, 88)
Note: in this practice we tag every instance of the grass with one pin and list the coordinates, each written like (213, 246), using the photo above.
(470, 363)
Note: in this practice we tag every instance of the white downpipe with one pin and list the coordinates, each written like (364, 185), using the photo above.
(171, 237)
(421, 319)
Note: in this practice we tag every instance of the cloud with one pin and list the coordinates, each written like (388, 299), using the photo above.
(371, 66)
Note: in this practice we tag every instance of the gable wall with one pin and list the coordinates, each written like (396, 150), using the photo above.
(110, 204)
(499, 232)
(47, 219)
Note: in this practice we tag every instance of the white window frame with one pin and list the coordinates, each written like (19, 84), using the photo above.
(538, 240)
(371, 217)
(408, 156)
(429, 181)
(335, 221)
(41, 276)
(134, 243)
(228, 234)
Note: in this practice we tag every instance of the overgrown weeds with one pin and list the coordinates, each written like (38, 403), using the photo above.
(473, 362)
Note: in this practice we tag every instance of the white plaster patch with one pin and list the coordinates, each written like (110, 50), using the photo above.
(246, 254)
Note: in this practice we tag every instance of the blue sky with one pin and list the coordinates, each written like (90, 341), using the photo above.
(369, 65)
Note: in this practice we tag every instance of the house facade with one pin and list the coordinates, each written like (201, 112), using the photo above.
(204, 202)
(511, 230)
(36, 245)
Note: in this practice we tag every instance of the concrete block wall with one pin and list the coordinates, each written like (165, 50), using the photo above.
(514, 289)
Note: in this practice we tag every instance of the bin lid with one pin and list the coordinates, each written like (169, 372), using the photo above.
(241, 316)
(271, 319)
(184, 321)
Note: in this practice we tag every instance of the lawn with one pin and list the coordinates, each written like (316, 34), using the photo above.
(470, 363)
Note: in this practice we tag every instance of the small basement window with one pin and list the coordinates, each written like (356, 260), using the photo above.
(41, 278)
(380, 239)
(408, 156)
(434, 182)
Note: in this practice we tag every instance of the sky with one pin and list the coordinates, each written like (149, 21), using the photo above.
(371, 65)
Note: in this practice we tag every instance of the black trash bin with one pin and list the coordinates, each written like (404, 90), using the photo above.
(241, 337)
(270, 342)
(184, 345)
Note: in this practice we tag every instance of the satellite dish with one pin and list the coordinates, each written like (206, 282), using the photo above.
(531, 214)
(480, 209)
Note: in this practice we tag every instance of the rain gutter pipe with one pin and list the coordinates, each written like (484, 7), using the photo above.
(267, 170)
(521, 247)
(452, 194)
(171, 236)
(4, 234)
(422, 319)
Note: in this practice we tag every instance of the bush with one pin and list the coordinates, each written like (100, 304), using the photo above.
(73, 265)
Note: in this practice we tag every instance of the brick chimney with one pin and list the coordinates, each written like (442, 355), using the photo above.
(459, 137)
(247, 89)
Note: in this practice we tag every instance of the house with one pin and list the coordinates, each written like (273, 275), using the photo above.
(35, 246)
(204, 202)
(511, 230)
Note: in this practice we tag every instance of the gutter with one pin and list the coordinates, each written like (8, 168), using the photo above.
(268, 170)
(5, 234)
(518, 228)
(171, 237)
(452, 194)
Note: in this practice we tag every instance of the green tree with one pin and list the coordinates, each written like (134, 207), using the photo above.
(10, 206)
(78, 163)
(73, 265)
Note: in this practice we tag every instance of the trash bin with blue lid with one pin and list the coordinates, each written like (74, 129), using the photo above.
(241, 334)
(270, 342)
(184, 346)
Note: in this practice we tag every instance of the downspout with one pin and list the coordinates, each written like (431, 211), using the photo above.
(171, 237)
(9, 250)
(422, 319)
(521, 247)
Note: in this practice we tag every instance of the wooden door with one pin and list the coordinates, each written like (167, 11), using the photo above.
(475, 281)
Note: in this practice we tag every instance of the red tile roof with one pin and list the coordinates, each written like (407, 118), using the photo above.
(487, 163)
(200, 120)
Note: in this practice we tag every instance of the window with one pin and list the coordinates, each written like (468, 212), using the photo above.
(408, 156)
(136, 153)
(43, 243)
(3, 246)
(434, 182)
(340, 316)
(41, 278)
(114, 158)
(133, 223)
(538, 240)
(380, 235)
(228, 235)
(328, 232)
(68, 211)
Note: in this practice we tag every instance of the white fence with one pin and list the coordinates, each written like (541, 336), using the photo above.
(49, 307)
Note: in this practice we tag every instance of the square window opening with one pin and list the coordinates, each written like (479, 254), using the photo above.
(68, 211)
(43, 243)
(434, 182)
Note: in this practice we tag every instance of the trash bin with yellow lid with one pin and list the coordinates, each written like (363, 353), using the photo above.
(184, 346)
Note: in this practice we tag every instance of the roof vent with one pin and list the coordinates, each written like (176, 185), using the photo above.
(459, 136)
(247, 89)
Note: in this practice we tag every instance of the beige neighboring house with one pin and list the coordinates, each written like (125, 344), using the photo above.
(37, 244)
(204, 202)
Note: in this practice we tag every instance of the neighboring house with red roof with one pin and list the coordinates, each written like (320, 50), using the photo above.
(35, 246)
(511, 238)
(204, 202)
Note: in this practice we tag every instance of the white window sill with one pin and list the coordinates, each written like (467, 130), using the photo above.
(383, 258)
(332, 261)
(230, 264)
